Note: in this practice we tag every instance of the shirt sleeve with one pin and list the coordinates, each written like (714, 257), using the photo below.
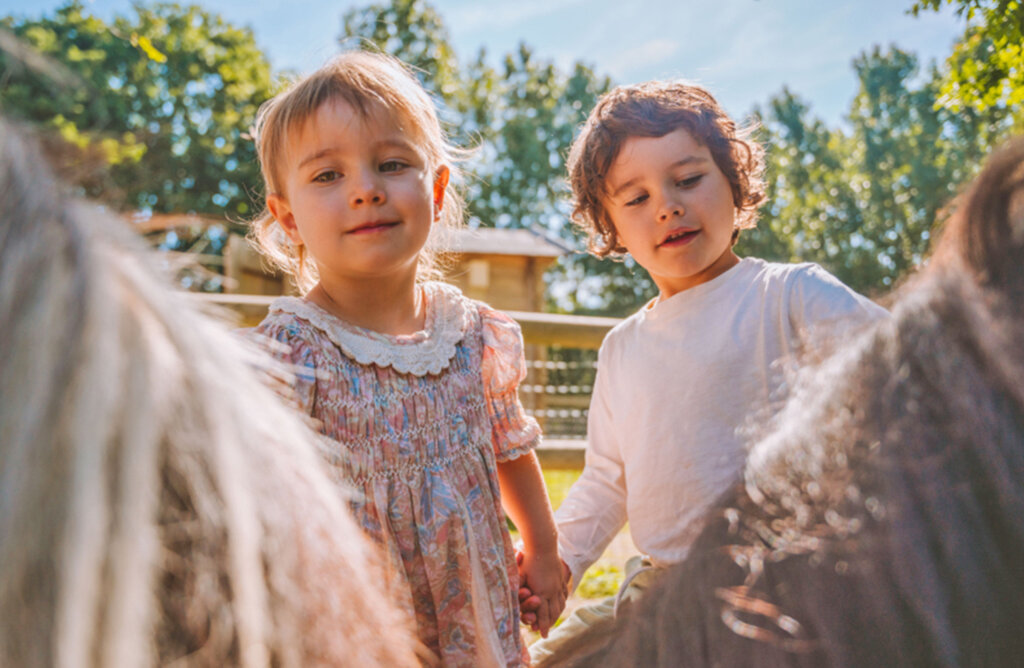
(595, 509)
(513, 432)
(824, 309)
(293, 376)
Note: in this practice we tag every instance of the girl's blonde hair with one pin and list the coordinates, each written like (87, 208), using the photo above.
(370, 83)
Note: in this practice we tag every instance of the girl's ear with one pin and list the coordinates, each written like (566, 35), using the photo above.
(282, 213)
(440, 183)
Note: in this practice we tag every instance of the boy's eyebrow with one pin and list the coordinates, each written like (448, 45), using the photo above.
(688, 160)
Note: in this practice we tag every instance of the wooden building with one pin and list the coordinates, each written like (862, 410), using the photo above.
(503, 267)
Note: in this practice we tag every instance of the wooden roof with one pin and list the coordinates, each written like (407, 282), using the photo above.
(477, 241)
(502, 241)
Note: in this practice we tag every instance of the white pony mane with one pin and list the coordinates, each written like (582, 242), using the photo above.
(158, 504)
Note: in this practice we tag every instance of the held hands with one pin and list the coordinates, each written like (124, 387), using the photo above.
(544, 587)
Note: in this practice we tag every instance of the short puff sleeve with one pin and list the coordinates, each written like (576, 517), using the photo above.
(294, 378)
(513, 432)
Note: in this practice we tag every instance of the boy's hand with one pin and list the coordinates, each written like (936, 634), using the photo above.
(545, 586)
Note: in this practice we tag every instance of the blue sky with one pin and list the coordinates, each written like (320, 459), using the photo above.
(743, 50)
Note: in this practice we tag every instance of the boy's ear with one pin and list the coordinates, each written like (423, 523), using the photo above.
(440, 183)
(282, 213)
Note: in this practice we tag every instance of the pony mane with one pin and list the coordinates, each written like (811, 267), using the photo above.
(158, 504)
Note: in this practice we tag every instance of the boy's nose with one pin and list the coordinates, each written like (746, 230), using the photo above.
(670, 211)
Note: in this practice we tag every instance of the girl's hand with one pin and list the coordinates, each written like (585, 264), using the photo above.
(543, 576)
(528, 603)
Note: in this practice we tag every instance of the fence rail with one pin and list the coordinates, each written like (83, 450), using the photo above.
(561, 407)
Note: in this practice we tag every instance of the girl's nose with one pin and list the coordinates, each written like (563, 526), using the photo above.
(367, 191)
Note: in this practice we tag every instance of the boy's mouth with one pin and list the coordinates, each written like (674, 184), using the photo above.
(373, 226)
(680, 236)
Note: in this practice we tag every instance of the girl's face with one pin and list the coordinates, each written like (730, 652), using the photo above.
(357, 194)
(673, 210)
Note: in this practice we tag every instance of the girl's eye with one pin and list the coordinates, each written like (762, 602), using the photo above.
(326, 176)
(392, 166)
(639, 199)
(689, 181)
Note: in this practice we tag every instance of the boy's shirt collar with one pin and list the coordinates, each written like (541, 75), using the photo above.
(657, 306)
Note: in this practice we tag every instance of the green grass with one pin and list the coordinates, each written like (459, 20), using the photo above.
(600, 581)
(558, 483)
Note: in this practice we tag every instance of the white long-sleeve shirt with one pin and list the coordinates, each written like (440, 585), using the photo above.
(679, 385)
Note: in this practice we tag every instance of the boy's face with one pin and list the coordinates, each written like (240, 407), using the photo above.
(672, 208)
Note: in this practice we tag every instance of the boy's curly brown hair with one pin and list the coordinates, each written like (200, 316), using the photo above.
(654, 109)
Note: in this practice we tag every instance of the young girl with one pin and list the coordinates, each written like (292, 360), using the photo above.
(414, 384)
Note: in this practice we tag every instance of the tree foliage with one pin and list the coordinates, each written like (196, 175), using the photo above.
(154, 110)
(986, 68)
(863, 200)
(413, 29)
(158, 121)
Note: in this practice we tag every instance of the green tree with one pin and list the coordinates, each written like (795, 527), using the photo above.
(909, 158)
(863, 201)
(413, 31)
(811, 213)
(161, 116)
(986, 68)
(532, 115)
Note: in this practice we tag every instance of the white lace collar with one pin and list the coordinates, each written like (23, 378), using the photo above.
(428, 351)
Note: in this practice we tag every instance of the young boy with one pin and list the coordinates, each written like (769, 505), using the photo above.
(662, 173)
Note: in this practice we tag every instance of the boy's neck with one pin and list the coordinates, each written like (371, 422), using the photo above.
(668, 288)
(388, 307)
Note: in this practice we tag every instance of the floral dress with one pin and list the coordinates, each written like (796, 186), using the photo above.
(416, 425)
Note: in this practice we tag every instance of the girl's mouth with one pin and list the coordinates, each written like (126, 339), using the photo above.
(679, 238)
(373, 226)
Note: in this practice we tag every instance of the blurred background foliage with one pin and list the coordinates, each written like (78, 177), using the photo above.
(151, 113)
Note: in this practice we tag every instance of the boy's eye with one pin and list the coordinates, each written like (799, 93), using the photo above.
(639, 199)
(326, 176)
(392, 165)
(689, 181)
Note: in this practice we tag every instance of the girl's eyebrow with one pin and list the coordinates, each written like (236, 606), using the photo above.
(395, 142)
(391, 142)
(400, 143)
(316, 156)
(688, 160)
